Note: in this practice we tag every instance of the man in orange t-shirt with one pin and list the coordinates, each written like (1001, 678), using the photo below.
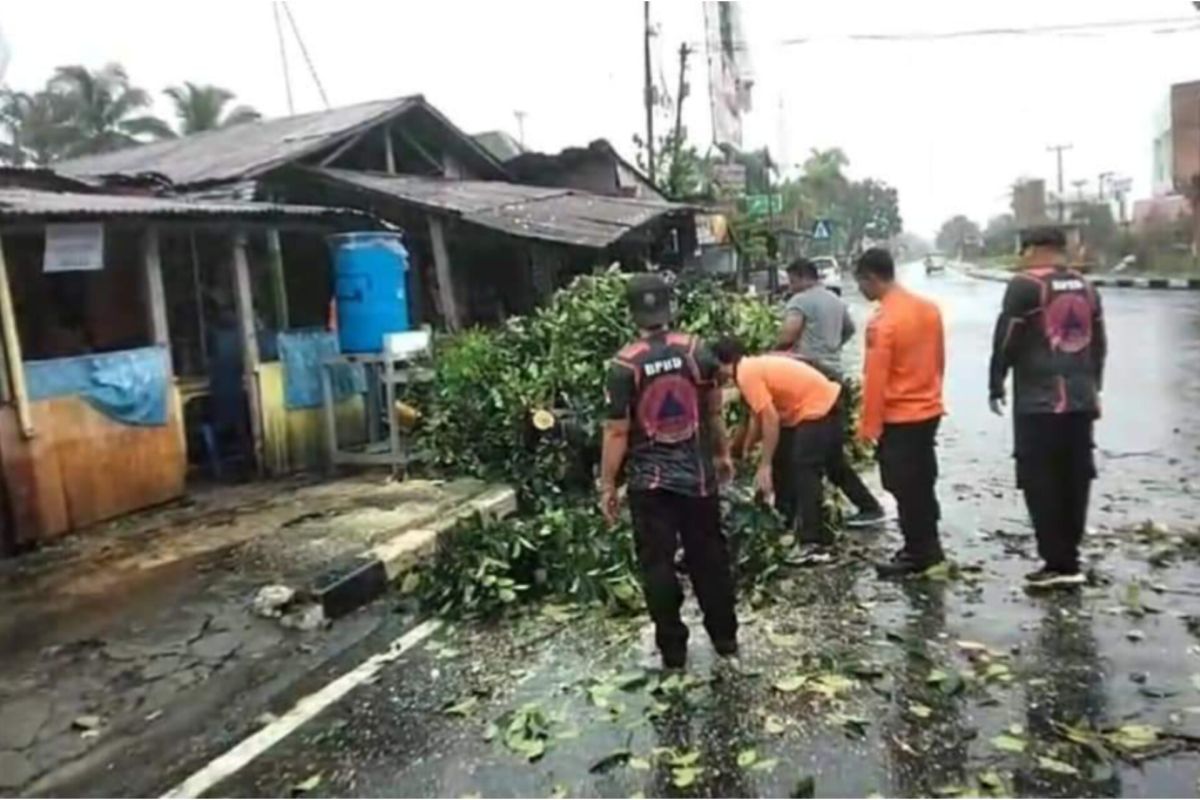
(902, 406)
(799, 413)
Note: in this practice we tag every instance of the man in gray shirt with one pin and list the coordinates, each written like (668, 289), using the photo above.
(816, 322)
(816, 325)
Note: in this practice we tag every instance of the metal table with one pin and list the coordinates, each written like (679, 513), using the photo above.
(384, 374)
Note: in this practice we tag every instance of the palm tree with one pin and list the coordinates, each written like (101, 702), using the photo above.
(823, 177)
(202, 108)
(35, 126)
(103, 108)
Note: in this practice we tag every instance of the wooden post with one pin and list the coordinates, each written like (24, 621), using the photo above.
(445, 278)
(249, 331)
(156, 297)
(389, 155)
(12, 351)
(278, 284)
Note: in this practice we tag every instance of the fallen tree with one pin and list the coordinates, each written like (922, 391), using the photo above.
(523, 404)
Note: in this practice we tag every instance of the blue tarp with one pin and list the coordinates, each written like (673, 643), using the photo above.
(302, 353)
(128, 385)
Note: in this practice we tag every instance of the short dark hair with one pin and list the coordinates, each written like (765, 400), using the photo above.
(728, 350)
(876, 261)
(1044, 236)
(804, 268)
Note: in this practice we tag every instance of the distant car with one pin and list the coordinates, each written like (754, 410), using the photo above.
(831, 273)
(934, 264)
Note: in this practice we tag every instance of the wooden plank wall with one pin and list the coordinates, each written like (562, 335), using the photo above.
(82, 467)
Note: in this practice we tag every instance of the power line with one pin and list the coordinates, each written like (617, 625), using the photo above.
(287, 78)
(312, 70)
(1172, 25)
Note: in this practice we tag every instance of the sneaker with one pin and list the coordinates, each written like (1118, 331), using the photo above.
(1047, 578)
(809, 555)
(903, 566)
(866, 519)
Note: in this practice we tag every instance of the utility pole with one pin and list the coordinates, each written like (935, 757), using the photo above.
(1101, 180)
(1058, 151)
(648, 99)
(520, 115)
(677, 144)
(1079, 184)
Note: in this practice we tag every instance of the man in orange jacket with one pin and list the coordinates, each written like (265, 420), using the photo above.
(902, 406)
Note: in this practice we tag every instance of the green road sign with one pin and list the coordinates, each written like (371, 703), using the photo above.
(759, 205)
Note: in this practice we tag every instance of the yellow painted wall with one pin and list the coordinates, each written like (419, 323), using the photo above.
(294, 440)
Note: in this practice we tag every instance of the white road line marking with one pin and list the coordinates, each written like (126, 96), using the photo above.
(305, 709)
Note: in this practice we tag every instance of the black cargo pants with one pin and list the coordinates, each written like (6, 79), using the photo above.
(1055, 469)
(807, 454)
(908, 467)
(661, 521)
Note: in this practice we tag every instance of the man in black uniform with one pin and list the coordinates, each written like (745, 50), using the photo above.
(1051, 334)
(664, 413)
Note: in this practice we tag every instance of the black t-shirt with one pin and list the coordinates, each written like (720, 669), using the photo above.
(661, 385)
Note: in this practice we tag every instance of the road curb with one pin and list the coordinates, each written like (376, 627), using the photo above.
(369, 576)
(1101, 281)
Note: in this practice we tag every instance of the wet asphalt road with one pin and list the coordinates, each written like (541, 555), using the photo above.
(911, 711)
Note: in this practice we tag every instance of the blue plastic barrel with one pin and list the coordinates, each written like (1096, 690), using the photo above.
(372, 298)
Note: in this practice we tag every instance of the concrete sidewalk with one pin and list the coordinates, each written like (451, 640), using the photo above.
(120, 633)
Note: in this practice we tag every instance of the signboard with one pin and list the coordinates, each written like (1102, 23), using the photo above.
(730, 177)
(75, 247)
(822, 230)
(758, 205)
(711, 229)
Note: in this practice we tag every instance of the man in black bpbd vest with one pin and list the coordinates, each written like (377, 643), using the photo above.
(1051, 335)
(664, 425)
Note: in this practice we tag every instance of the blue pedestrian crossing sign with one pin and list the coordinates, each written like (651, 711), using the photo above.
(822, 230)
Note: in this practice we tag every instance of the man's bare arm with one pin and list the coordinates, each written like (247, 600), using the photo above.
(791, 331)
(612, 456)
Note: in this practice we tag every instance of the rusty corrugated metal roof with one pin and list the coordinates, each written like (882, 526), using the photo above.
(533, 212)
(27, 205)
(251, 149)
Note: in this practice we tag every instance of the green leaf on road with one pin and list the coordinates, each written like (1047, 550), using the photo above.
(1054, 765)
(683, 777)
(1133, 737)
(920, 711)
(1000, 672)
(832, 684)
(639, 764)
(491, 731)
(774, 726)
(855, 726)
(765, 765)
(1009, 744)
(462, 708)
(559, 791)
(990, 780)
(792, 683)
(308, 784)
(630, 681)
(747, 757)
(687, 758)
(617, 758)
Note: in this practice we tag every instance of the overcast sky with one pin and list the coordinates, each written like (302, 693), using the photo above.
(951, 123)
